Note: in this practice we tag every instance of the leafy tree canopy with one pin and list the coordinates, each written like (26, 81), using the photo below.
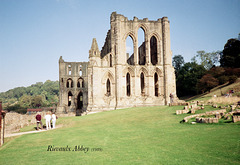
(187, 78)
(36, 95)
(178, 62)
(208, 60)
(231, 54)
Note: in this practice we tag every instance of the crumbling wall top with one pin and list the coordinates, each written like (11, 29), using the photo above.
(115, 16)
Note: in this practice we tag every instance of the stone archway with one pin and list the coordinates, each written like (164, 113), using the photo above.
(80, 101)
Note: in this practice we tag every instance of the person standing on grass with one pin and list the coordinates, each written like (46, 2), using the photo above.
(48, 120)
(171, 98)
(39, 120)
(54, 118)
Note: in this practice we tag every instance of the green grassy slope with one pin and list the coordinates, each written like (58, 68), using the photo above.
(218, 91)
(149, 135)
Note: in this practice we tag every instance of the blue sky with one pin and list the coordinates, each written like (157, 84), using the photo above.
(35, 33)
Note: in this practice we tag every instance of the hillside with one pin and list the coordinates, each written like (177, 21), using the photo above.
(219, 91)
(39, 94)
(149, 135)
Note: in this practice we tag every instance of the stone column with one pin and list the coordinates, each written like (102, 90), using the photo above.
(147, 50)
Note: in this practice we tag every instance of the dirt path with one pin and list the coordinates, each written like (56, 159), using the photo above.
(22, 133)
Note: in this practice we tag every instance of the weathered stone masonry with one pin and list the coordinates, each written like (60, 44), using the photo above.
(111, 79)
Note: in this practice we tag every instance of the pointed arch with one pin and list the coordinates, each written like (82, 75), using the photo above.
(144, 70)
(80, 100)
(156, 70)
(130, 70)
(141, 46)
(143, 27)
(153, 50)
(130, 34)
(70, 98)
(69, 83)
(108, 74)
(80, 83)
(108, 88)
(129, 50)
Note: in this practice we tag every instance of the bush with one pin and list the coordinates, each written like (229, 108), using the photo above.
(236, 94)
(232, 79)
(17, 108)
(223, 79)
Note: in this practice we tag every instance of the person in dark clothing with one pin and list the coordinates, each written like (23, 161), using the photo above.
(171, 98)
(39, 120)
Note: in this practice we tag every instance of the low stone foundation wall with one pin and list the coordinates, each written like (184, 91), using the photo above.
(179, 103)
(206, 120)
(14, 121)
(236, 119)
(178, 112)
(222, 111)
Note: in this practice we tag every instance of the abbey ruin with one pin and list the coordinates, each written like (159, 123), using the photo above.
(114, 79)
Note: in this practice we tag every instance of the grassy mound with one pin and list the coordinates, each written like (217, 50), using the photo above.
(149, 135)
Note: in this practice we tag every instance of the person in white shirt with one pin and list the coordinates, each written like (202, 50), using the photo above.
(54, 118)
(48, 120)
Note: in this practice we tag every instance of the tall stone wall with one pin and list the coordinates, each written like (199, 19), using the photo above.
(115, 80)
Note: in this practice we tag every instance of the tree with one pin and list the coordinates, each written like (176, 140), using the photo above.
(206, 83)
(25, 101)
(208, 60)
(231, 54)
(187, 78)
(178, 62)
(37, 101)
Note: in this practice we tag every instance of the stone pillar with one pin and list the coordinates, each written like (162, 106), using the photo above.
(135, 52)
(167, 62)
(147, 50)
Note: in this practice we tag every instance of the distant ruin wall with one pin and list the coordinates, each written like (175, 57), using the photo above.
(14, 121)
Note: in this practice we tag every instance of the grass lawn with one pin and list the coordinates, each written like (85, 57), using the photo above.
(149, 135)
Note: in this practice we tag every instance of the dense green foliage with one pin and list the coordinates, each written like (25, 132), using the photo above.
(231, 54)
(149, 135)
(178, 62)
(187, 78)
(202, 74)
(36, 95)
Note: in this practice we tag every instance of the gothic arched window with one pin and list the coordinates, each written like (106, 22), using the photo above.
(110, 60)
(108, 87)
(156, 86)
(69, 98)
(142, 84)
(69, 83)
(128, 84)
(80, 83)
(153, 50)
(141, 47)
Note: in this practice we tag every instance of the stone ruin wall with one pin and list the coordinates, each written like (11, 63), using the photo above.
(15, 121)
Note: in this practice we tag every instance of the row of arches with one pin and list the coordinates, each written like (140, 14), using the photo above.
(69, 70)
(141, 48)
(142, 85)
(80, 83)
(79, 100)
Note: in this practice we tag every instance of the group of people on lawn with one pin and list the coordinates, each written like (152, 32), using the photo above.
(49, 117)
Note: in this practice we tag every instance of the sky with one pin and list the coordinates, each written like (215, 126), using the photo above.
(35, 33)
